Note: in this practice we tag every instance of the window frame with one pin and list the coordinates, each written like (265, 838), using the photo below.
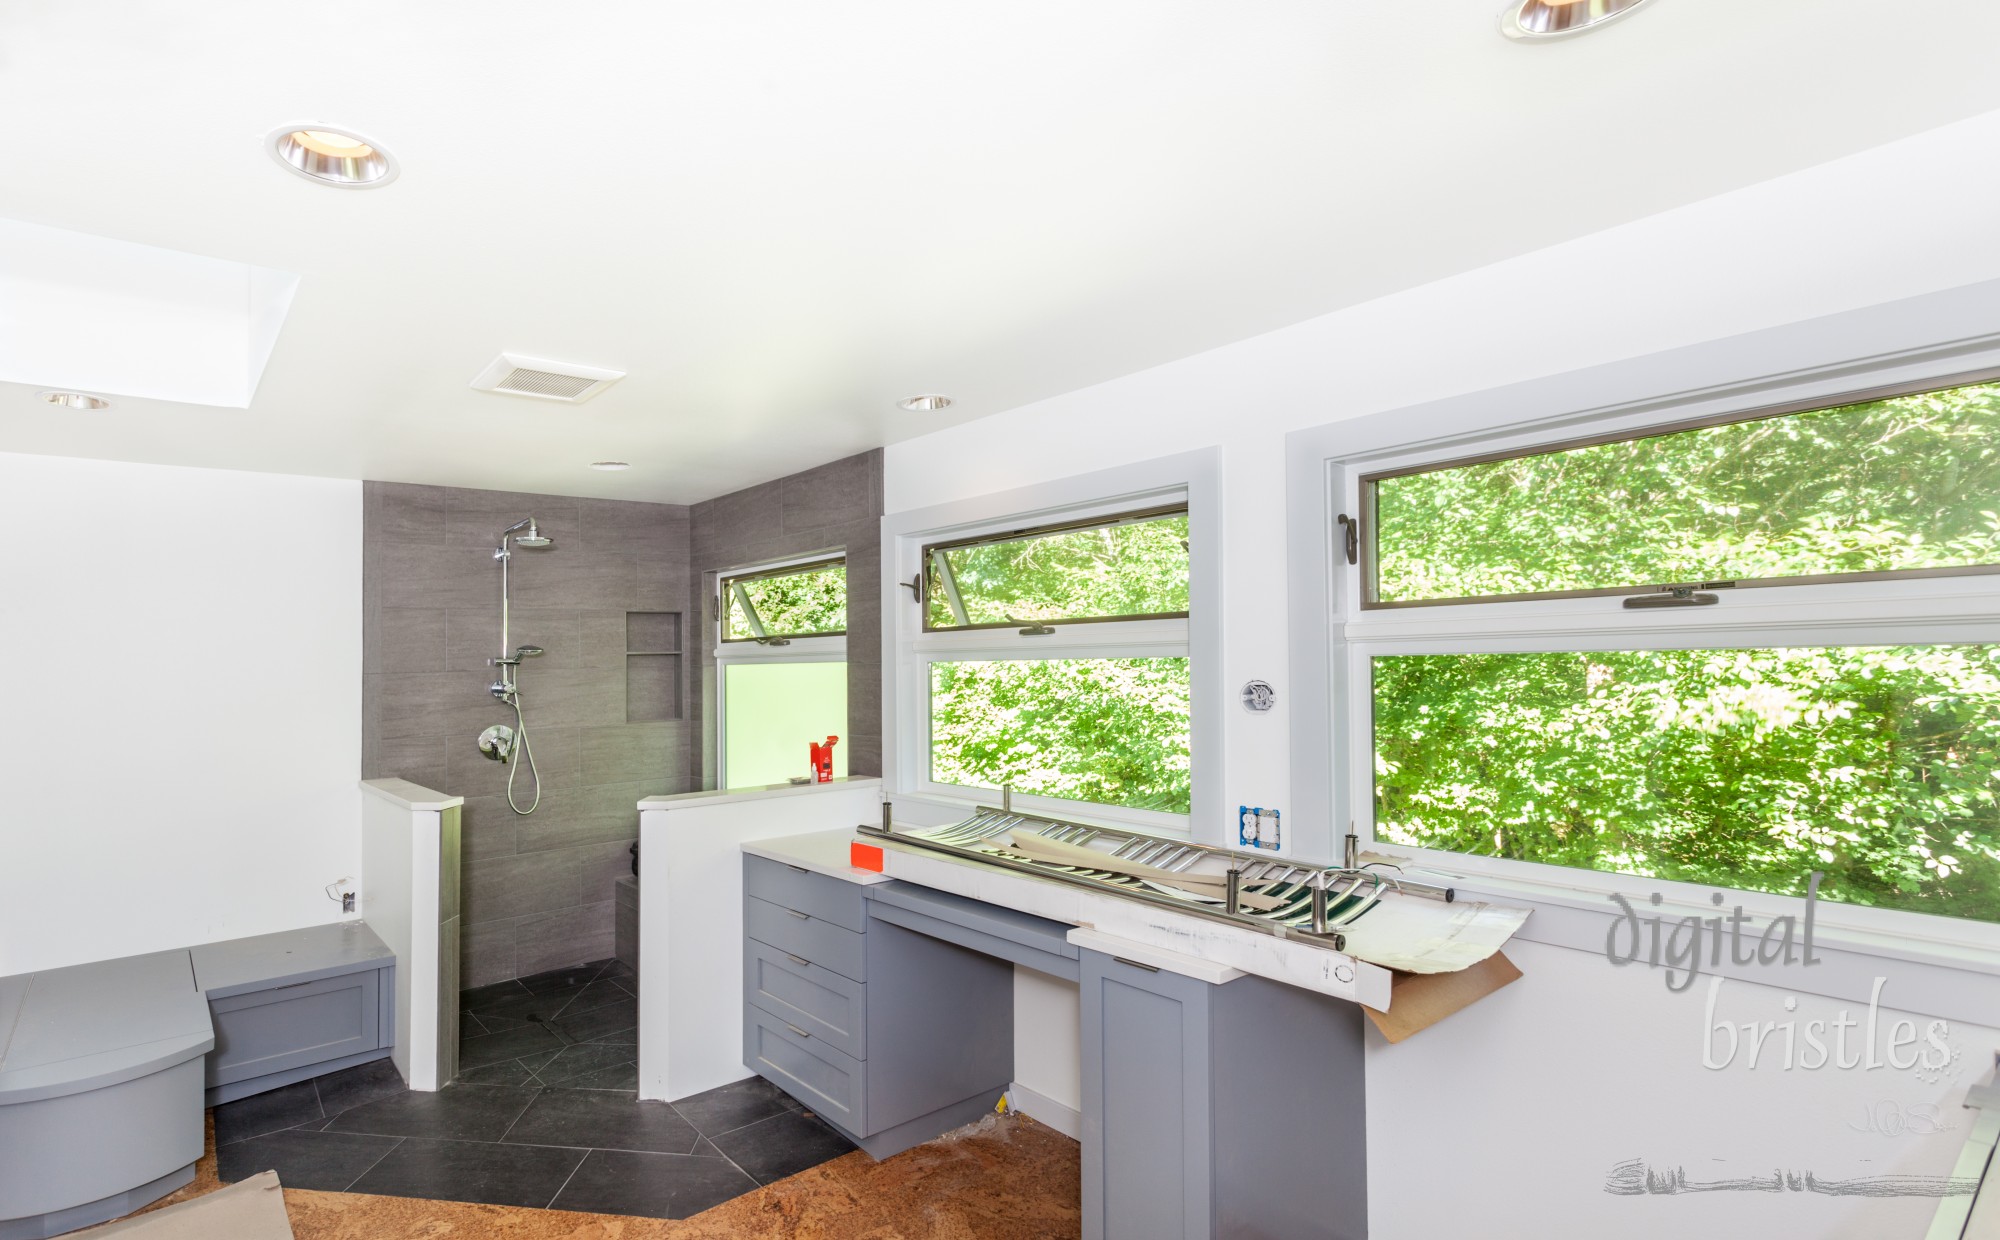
(1903, 607)
(932, 567)
(1188, 481)
(818, 648)
(724, 581)
(1367, 585)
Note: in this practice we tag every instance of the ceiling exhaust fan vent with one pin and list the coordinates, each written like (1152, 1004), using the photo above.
(515, 375)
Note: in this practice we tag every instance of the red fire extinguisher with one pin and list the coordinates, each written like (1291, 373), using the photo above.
(822, 759)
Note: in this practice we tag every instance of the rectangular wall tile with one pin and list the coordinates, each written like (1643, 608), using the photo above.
(591, 815)
(488, 954)
(507, 887)
(557, 757)
(631, 752)
(411, 639)
(487, 828)
(600, 866)
(570, 936)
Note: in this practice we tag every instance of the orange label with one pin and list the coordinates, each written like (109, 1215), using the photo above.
(864, 856)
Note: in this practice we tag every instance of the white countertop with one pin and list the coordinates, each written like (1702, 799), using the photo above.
(408, 795)
(1195, 946)
(767, 792)
(822, 852)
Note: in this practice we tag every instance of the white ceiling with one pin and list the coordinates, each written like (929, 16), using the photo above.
(781, 217)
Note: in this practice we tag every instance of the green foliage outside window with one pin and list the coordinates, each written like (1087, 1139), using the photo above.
(1135, 568)
(1108, 731)
(1744, 768)
(1907, 483)
(811, 601)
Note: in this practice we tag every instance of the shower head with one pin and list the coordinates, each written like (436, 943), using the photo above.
(532, 539)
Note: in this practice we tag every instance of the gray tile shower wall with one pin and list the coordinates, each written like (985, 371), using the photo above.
(834, 507)
(538, 889)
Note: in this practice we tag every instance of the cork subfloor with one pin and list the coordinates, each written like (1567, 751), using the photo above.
(1004, 1178)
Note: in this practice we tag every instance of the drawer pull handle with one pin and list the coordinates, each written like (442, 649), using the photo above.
(1150, 968)
(797, 959)
(795, 1029)
(797, 868)
(801, 916)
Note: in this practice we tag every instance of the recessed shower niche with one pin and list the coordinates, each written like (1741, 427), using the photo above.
(653, 688)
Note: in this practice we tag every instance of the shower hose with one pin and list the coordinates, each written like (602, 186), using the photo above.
(513, 768)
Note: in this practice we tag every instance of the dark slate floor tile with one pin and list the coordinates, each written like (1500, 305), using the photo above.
(285, 1107)
(602, 1119)
(572, 978)
(575, 1061)
(735, 1105)
(351, 1087)
(327, 1161)
(619, 971)
(782, 1145)
(526, 1006)
(490, 1023)
(627, 1038)
(507, 1044)
(456, 1112)
(535, 1063)
(651, 1185)
(501, 1175)
(599, 1021)
(470, 1000)
(595, 995)
(470, 1026)
(623, 1076)
(506, 1072)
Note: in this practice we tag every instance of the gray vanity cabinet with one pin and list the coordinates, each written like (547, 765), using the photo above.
(1232, 1111)
(890, 1035)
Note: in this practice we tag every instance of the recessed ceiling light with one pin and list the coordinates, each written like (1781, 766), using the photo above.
(327, 156)
(610, 467)
(75, 400)
(1555, 19)
(930, 402)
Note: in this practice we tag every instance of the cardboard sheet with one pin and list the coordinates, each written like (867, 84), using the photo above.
(251, 1210)
(1419, 1000)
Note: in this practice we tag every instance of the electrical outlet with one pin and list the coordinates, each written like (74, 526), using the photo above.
(1257, 827)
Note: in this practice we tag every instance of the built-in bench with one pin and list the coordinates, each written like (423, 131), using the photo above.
(105, 1067)
(293, 1005)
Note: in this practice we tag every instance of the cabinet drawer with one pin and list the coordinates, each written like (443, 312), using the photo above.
(814, 998)
(266, 1031)
(828, 899)
(801, 934)
(831, 1082)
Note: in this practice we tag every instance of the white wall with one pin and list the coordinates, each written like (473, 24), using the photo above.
(1503, 1121)
(180, 705)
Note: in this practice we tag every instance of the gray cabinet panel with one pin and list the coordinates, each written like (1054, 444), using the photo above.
(810, 996)
(940, 1026)
(268, 1031)
(978, 940)
(447, 1030)
(828, 1080)
(1172, 1100)
(989, 921)
(802, 934)
(826, 898)
(1146, 1130)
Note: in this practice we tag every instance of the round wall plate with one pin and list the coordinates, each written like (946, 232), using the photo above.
(1259, 696)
